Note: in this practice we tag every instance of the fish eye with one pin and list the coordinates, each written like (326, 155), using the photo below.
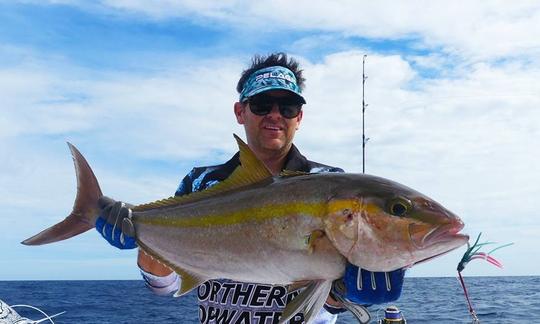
(399, 207)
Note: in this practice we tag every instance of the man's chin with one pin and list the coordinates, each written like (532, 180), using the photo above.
(273, 144)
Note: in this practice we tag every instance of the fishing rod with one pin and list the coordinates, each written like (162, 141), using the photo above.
(364, 105)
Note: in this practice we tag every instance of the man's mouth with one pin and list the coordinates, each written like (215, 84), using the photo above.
(272, 128)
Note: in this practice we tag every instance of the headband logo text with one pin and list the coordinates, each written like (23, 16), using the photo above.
(275, 74)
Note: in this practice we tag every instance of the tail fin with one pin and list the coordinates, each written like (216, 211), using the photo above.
(85, 209)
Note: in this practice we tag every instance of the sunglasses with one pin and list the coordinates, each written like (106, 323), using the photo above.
(289, 107)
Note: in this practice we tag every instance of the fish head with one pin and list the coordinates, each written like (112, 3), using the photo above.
(380, 225)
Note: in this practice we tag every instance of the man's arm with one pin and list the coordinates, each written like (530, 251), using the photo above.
(160, 279)
(150, 265)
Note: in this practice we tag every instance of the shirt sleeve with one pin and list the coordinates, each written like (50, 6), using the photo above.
(161, 285)
(186, 185)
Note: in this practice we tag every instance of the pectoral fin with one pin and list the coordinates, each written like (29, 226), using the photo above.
(312, 240)
(309, 301)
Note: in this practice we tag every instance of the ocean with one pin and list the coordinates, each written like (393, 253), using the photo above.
(424, 300)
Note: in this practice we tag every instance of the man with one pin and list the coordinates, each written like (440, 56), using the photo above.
(270, 109)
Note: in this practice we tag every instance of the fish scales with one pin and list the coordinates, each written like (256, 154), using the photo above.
(247, 235)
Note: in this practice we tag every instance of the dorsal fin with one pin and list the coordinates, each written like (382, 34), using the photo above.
(291, 173)
(250, 171)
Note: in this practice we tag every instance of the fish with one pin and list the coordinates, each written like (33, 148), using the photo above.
(292, 228)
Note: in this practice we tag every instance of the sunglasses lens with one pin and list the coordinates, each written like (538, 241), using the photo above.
(260, 108)
(288, 107)
(289, 110)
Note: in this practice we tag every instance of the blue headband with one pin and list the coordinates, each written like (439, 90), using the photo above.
(270, 78)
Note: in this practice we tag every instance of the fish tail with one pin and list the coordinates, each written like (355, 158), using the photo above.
(85, 209)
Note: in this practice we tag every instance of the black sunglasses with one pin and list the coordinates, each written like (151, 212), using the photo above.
(289, 107)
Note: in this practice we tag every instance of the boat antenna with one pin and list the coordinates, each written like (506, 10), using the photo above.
(364, 105)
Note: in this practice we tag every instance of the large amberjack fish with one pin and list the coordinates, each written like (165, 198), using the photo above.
(295, 227)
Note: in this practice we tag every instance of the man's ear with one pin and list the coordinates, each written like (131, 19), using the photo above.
(239, 112)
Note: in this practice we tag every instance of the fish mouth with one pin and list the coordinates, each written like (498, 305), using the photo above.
(425, 236)
(437, 255)
(440, 239)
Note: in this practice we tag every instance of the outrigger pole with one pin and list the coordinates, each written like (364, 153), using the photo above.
(364, 105)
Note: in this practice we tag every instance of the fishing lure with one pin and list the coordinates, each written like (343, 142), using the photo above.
(473, 253)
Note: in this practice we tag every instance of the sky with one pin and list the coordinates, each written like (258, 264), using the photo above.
(145, 90)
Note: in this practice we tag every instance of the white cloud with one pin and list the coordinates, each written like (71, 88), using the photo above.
(169, 8)
(130, 110)
(479, 29)
(183, 113)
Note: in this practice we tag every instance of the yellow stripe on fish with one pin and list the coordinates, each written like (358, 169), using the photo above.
(263, 212)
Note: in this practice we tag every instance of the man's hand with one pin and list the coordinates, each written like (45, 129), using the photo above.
(114, 223)
(364, 287)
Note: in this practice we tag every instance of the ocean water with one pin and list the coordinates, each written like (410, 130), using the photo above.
(424, 300)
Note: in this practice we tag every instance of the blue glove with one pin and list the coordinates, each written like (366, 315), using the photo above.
(114, 223)
(364, 287)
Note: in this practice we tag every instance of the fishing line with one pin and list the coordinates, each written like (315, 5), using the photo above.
(473, 253)
(47, 317)
(471, 309)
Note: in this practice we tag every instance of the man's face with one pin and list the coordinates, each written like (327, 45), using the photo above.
(271, 132)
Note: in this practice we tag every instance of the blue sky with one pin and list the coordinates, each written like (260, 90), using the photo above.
(145, 91)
